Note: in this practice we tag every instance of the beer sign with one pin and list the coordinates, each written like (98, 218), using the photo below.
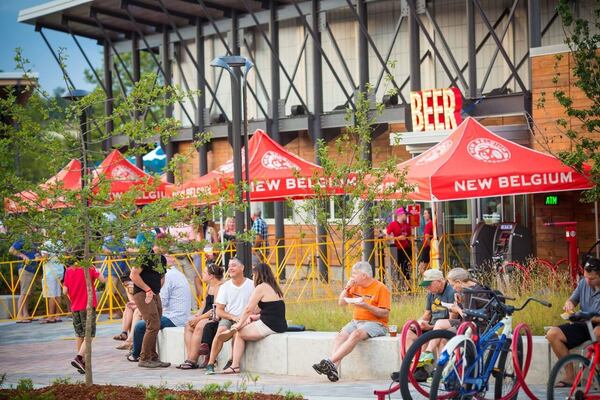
(436, 109)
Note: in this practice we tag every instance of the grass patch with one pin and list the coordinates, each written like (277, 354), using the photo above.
(328, 316)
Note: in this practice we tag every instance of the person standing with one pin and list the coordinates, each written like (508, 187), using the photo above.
(147, 277)
(53, 274)
(75, 288)
(227, 236)
(427, 235)
(399, 231)
(26, 271)
(261, 231)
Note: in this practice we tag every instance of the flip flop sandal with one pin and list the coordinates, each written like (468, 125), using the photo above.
(563, 384)
(231, 371)
(23, 321)
(131, 358)
(187, 365)
(120, 336)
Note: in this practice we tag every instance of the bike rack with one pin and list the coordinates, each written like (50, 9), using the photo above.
(381, 394)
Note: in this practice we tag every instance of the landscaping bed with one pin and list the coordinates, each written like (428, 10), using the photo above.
(106, 392)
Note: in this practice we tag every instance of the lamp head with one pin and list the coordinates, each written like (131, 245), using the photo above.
(229, 62)
(75, 94)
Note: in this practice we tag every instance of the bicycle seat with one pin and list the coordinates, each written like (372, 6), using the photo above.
(581, 316)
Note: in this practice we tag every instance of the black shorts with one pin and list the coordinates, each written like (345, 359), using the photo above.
(79, 318)
(576, 334)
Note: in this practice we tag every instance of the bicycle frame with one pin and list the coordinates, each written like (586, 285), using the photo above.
(478, 373)
(592, 354)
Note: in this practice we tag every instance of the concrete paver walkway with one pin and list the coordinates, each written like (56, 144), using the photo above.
(43, 354)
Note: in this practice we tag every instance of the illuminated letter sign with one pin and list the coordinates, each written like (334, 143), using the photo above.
(436, 109)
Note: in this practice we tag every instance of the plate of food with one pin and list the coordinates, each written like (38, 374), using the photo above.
(353, 300)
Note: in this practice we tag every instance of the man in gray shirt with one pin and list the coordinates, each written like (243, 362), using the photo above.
(564, 337)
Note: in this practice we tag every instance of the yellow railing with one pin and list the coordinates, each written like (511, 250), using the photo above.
(306, 270)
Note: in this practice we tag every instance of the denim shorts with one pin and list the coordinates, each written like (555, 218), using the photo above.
(372, 328)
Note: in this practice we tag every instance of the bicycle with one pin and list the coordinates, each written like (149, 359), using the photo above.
(586, 384)
(467, 362)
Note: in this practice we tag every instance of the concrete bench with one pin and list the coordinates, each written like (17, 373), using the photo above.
(294, 353)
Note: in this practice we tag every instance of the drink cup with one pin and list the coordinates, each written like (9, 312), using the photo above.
(393, 330)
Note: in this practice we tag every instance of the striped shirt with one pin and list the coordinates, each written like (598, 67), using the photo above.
(176, 297)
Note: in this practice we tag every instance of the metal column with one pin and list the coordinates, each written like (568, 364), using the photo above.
(363, 80)
(201, 101)
(317, 134)
(275, 134)
(535, 30)
(414, 56)
(472, 49)
(168, 81)
(108, 104)
(135, 61)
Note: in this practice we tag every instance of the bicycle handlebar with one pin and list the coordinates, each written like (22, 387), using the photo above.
(581, 316)
(530, 299)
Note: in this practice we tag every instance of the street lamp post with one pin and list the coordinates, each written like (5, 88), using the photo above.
(234, 65)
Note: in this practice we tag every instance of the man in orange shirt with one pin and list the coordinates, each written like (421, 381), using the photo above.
(372, 301)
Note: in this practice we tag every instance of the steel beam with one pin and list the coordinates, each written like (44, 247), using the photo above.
(257, 70)
(200, 101)
(94, 10)
(535, 23)
(472, 51)
(108, 104)
(168, 81)
(152, 7)
(296, 65)
(340, 55)
(90, 22)
(274, 130)
(136, 69)
(505, 55)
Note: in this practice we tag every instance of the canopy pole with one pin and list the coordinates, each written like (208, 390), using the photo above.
(435, 244)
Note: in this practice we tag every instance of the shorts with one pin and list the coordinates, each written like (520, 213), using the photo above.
(576, 333)
(262, 328)
(425, 255)
(51, 282)
(79, 318)
(227, 323)
(372, 328)
(25, 279)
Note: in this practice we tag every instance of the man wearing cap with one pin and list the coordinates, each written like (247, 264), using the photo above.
(567, 336)
(371, 301)
(399, 231)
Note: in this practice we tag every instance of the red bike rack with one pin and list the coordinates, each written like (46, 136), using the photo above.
(571, 238)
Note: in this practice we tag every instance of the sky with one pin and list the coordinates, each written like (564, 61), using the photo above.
(14, 34)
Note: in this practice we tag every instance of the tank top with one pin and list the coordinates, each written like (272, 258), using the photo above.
(210, 300)
(272, 314)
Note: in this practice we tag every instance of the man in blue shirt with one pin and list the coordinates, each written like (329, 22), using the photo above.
(567, 336)
(26, 270)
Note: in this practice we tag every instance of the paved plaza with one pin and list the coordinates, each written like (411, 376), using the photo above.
(43, 353)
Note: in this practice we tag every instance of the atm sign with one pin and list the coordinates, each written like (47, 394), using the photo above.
(551, 200)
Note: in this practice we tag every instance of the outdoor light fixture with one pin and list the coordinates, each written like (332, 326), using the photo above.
(239, 66)
(390, 100)
(218, 118)
(298, 109)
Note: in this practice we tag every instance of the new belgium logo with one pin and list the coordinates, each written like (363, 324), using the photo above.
(488, 151)
(435, 152)
(272, 160)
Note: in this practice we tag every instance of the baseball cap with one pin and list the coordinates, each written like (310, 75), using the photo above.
(400, 210)
(431, 275)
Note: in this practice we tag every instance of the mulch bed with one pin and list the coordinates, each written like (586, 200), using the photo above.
(98, 392)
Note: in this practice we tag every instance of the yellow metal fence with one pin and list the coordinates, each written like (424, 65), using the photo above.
(306, 270)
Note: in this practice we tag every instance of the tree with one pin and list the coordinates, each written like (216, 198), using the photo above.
(582, 37)
(51, 135)
(361, 193)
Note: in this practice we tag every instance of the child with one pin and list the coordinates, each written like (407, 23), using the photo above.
(74, 287)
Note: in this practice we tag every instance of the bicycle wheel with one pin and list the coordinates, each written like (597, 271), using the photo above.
(505, 379)
(582, 375)
(410, 364)
(449, 378)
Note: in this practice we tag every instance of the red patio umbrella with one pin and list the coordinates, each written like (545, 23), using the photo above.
(275, 174)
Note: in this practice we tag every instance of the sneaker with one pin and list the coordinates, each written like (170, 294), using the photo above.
(150, 364)
(421, 374)
(162, 364)
(210, 369)
(425, 358)
(322, 367)
(332, 375)
(79, 364)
